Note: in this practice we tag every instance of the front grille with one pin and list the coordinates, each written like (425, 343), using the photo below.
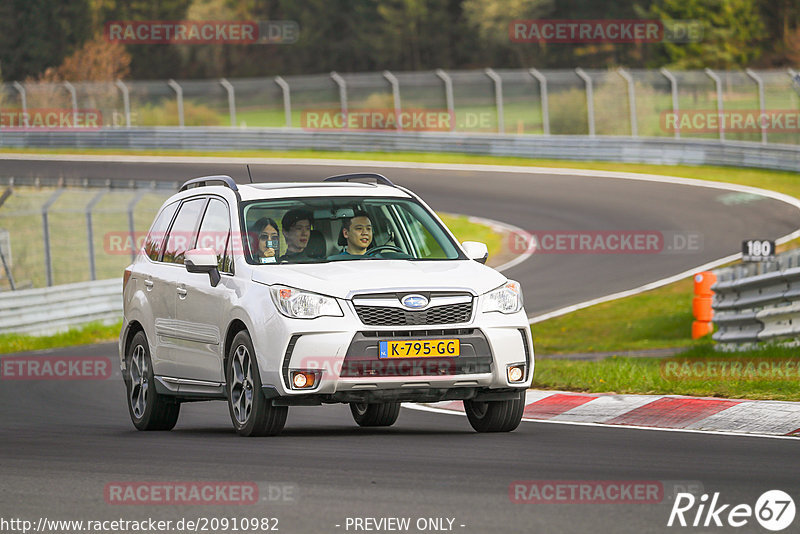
(386, 316)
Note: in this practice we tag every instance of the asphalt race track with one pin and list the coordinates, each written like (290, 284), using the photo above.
(63, 442)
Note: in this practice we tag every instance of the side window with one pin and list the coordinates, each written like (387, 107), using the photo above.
(215, 233)
(182, 234)
(157, 234)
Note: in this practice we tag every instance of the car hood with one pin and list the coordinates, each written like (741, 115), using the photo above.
(343, 278)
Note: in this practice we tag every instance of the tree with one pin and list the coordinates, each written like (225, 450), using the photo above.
(732, 32)
(37, 34)
(148, 60)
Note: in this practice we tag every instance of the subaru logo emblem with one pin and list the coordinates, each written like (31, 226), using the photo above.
(414, 302)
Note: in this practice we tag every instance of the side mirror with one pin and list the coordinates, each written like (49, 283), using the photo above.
(203, 260)
(476, 251)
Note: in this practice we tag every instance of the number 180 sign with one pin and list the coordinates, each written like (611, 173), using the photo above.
(758, 250)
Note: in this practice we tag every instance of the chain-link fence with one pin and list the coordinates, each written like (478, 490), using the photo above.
(761, 106)
(56, 233)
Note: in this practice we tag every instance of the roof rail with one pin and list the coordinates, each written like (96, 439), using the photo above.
(203, 181)
(379, 178)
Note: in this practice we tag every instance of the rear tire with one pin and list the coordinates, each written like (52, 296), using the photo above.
(148, 409)
(495, 416)
(375, 414)
(251, 412)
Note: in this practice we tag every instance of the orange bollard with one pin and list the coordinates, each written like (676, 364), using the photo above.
(701, 309)
(701, 328)
(703, 282)
(701, 304)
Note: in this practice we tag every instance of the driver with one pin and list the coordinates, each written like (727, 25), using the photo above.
(357, 230)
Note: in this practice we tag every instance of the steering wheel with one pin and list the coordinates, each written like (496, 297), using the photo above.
(384, 247)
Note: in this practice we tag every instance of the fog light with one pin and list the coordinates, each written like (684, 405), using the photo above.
(303, 379)
(516, 373)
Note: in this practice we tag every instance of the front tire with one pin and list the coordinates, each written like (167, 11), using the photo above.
(495, 416)
(148, 409)
(251, 412)
(375, 414)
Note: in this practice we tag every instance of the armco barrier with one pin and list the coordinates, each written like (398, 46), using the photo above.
(54, 309)
(568, 147)
(758, 302)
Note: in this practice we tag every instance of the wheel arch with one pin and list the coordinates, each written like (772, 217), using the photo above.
(235, 326)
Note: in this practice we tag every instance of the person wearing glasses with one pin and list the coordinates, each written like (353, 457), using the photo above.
(268, 240)
(296, 225)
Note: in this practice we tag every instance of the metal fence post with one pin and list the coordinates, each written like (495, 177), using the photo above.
(761, 102)
(631, 100)
(46, 233)
(448, 96)
(24, 99)
(287, 100)
(74, 94)
(673, 83)
(131, 227)
(392, 79)
(795, 78)
(545, 104)
(498, 98)
(589, 98)
(179, 97)
(126, 101)
(342, 95)
(90, 232)
(720, 116)
(231, 99)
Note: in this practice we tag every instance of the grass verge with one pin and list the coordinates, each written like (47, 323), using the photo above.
(660, 318)
(84, 335)
(652, 376)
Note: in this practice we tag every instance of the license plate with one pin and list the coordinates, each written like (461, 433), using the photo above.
(411, 348)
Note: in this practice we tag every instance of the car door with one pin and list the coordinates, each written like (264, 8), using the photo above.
(181, 237)
(156, 289)
(200, 307)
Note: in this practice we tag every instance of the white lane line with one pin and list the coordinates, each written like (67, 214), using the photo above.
(468, 168)
(508, 229)
(421, 408)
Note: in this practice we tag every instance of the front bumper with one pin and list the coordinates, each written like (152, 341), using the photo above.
(348, 369)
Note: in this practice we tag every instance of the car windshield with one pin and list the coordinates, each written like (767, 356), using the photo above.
(315, 230)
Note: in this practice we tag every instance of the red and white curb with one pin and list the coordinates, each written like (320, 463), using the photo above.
(668, 412)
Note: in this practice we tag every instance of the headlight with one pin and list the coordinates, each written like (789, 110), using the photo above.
(303, 304)
(505, 299)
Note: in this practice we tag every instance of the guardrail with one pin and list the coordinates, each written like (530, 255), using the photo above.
(579, 148)
(755, 303)
(55, 309)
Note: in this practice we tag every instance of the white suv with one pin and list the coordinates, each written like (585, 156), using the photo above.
(360, 295)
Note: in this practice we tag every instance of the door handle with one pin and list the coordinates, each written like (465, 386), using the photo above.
(182, 292)
(148, 284)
